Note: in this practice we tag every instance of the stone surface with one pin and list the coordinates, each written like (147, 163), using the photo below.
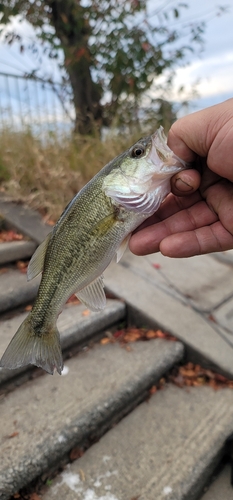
(139, 284)
(221, 488)
(201, 281)
(16, 250)
(226, 257)
(165, 449)
(76, 325)
(50, 415)
(223, 315)
(24, 219)
(16, 290)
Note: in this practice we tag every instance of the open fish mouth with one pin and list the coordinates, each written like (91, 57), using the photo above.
(162, 156)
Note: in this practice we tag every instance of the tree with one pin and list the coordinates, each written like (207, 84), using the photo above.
(110, 48)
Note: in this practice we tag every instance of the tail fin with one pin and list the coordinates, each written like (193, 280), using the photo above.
(28, 348)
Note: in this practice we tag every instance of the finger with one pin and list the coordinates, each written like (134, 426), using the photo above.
(212, 238)
(208, 134)
(148, 239)
(170, 206)
(195, 133)
(185, 182)
(219, 198)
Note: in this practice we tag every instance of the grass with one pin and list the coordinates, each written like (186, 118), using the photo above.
(47, 175)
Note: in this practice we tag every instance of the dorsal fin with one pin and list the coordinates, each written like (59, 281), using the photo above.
(36, 264)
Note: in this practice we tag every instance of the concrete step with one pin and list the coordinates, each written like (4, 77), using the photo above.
(220, 488)
(76, 325)
(161, 296)
(15, 290)
(24, 219)
(166, 448)
(48, 416)
(16, 250)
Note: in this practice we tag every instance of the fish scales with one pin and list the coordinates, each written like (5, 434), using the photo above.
(93, 228)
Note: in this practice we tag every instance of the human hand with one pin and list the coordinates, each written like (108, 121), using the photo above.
(194, 221)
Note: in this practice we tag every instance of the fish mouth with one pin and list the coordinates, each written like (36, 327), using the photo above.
(162, 156)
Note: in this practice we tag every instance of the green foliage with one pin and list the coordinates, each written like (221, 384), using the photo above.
(113, 51)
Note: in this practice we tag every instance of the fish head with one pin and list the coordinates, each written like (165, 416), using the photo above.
(141, 179)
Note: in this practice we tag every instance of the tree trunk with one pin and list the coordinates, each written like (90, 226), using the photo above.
(73, 30)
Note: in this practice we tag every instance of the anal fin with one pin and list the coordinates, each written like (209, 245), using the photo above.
(93, 295)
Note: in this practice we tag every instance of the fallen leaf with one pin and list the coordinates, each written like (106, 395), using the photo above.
(22, 266)
(10, 235)
(156, 266)
(151, 334)
(153, 390)
(28, 307)
(76, 453)
(105, 340)
(34, 496)
(86, 312)
(14, 434)
(192, 375)
(118, 333)
(81, 472)
(132, 336)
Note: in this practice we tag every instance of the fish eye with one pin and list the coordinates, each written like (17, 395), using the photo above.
(138, 151)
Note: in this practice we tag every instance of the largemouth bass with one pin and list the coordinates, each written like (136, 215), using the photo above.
(94, 227)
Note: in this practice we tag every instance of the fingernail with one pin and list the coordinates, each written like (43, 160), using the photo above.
(183, 186)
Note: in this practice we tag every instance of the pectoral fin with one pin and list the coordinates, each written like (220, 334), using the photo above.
(36, 264)
(122, 248)
(93, 295)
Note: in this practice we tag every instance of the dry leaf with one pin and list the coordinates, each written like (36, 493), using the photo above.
(28, 307)
(34, 496)
(86, 312)
(156, 266)
(14, 434)
(105, 340)
(22, 266)
(153, 390)
(151, 334)
(76, 453)
(10, 235)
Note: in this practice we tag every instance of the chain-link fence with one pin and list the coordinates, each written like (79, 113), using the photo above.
(40, 105)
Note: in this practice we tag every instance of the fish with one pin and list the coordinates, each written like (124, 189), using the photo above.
(94, 228)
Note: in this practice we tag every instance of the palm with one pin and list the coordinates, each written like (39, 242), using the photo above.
(199, 223)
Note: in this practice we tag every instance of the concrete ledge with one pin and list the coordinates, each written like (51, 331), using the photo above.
(76, 329)
(221, 488)
(16, 250)
(168, 310)
(23, 218)
(15, 290)
(165, 449)
(52, 414)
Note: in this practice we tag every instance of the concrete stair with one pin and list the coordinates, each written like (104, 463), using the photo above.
(133, 440)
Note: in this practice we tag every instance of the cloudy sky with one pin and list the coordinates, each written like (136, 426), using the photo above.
(212, 69)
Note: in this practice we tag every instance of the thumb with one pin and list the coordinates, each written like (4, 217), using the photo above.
(185, 183)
